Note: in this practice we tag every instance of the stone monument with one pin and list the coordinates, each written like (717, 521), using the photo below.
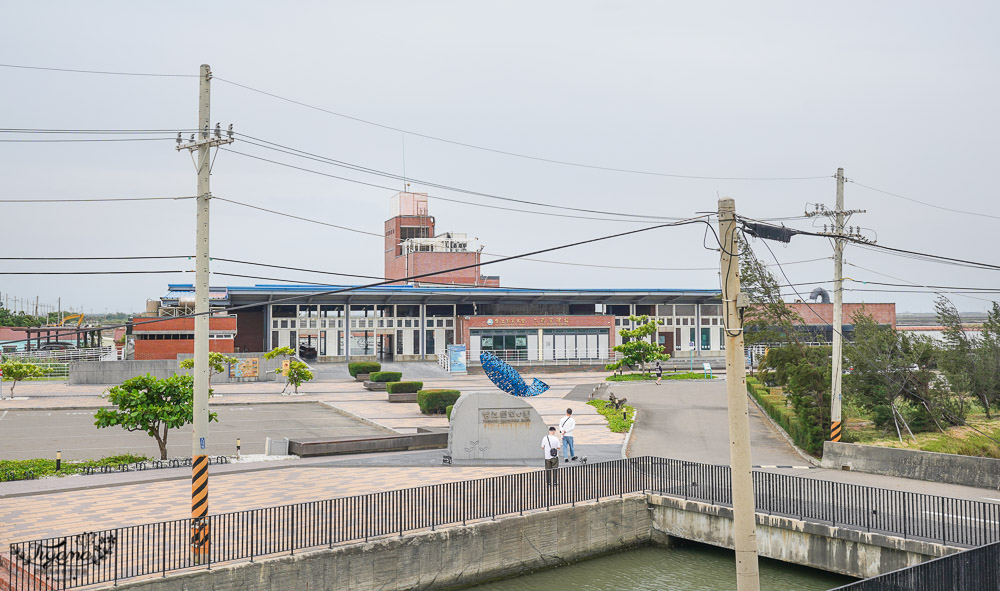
(495, 426)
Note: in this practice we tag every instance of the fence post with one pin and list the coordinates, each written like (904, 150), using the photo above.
(253, 533)
(799, 500)
(943, 533)
(291, 539)
(868, 510)
(163, 531)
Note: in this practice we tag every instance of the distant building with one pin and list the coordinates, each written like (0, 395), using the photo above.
(818, 317)
(413, 248)
(936, 333)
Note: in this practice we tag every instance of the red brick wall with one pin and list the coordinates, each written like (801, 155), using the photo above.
(821, 314)
(182, 324)
(169, 349)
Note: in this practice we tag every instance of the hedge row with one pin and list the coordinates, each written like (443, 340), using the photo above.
(403, 387)
(436, 401)
(357, 367)
(385, 376)
(775, 407)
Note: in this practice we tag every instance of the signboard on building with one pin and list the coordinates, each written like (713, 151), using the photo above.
(246, 368)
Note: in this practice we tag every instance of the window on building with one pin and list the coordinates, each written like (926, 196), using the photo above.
(416, 342)
(430, 342)
(722, 338)
(399, 342)
(408, 312)
(677, 339)
(449, 337)
(684, 310)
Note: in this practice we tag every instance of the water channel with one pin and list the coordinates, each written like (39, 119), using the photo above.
(692, 567)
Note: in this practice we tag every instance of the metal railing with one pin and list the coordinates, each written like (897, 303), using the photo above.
(972, 570)
(155, 549)
(66, 355)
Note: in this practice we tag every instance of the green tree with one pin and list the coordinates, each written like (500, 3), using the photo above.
(218, 363)
(151, 405)
(804, 374)
(16, 371)
(892, 379)
(298, 373)
(282, 352)
(970, 363)
(635, 348)
(768, 319)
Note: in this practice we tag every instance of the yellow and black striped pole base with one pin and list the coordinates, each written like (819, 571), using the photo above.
(199, 505)
(835, 431)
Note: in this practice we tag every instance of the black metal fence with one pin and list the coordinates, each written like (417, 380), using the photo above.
(973, 570)
(121, 553)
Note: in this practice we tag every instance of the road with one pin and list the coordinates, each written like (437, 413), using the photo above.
(687, 420)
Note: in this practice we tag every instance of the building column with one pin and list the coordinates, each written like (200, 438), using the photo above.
(347, 331)
(422, 345)
(697, 328)
(541, 346)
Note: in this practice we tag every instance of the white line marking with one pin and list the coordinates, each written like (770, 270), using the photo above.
(987, 498)
(4, 414)
(958, 517)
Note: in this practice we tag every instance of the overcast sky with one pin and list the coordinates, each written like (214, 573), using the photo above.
(902, 95)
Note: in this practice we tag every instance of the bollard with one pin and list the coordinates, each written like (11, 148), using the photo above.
(237, 447)
(58, 461)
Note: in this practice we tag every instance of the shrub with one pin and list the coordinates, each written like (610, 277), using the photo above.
(363, 367)
(618, 421)
(636, 377)
(447, 411)
(403, 387)
(385, 376)
(436, 401)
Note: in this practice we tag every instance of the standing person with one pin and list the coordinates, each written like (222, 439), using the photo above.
(566, 426)
(659, 373)
(550, 449)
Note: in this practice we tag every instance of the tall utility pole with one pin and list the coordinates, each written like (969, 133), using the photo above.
(744, 520)
(199, 438)
(839, 234)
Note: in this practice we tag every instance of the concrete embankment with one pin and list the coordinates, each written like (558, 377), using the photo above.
(909, 463)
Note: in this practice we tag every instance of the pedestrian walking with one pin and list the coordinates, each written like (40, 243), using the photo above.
(550, 449)
(566, 426)
(659, 373)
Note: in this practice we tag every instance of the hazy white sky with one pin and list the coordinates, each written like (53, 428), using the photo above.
(901, 94)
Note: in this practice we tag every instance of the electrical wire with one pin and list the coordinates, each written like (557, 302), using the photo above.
(935, 206)
(513, 154)
(96, 199)
(117, 258)
(438, 197)
(295, 217)
(104, 72)
(334, 162)
(91, 272)
(39, 130)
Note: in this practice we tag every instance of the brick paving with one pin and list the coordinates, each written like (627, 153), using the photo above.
(67, 512)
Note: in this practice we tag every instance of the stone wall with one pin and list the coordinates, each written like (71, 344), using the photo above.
(907, 463)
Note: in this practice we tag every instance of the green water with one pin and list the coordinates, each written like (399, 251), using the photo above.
(686, 568)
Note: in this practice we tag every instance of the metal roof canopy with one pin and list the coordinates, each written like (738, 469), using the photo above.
(405, 294)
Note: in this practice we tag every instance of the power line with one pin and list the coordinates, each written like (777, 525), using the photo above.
(104, 72)
(78, 140)
(438, 197)
(116, 258)
(356, 167)
(90, 272)
(295, 217)
(514, 154)
(95, 199)
(39, 130)
(935, 206)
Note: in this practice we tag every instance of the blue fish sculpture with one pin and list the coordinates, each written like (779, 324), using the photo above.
(507, 379)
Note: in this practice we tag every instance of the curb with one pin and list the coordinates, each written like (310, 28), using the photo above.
(628, 436)
(360, 418)
(813, 461)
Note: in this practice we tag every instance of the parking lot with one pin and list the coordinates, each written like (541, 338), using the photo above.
(26, 434)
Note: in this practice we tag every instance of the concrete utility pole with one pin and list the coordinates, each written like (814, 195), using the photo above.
(199, 438)
(838, 312)
(839, 234)
(744, 520)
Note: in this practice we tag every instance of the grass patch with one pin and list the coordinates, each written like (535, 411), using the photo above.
(616, 422)
(38, 468)
(637, 377)
(962, 441)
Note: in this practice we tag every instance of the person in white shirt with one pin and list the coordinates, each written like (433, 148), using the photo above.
(550, 450)
(566, 426)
